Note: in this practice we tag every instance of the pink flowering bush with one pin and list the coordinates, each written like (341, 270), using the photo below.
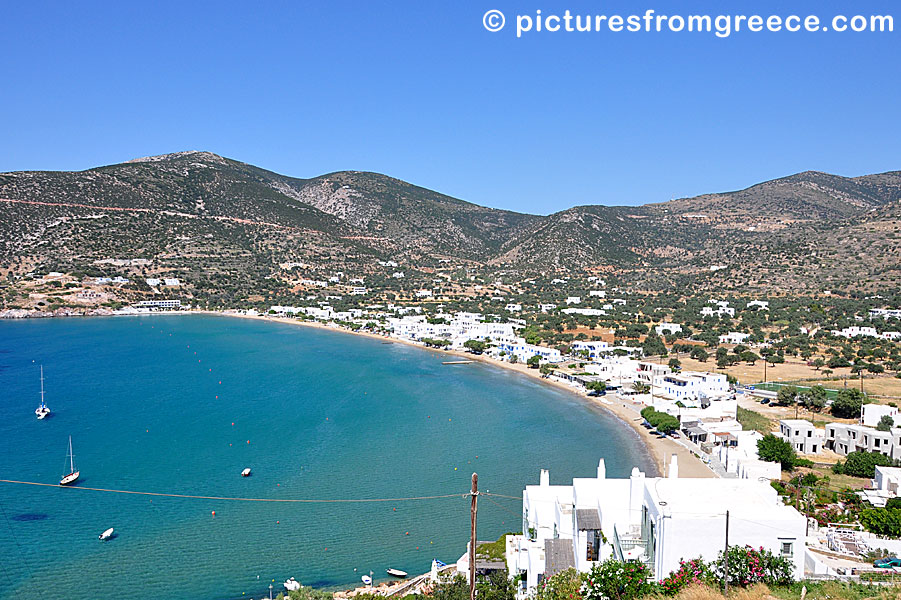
(748, 566)
(565, 585)
(690, 572)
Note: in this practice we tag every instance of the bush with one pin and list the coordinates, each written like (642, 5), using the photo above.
(565, 585)
(614, 580)
(691, 572)
(882, 521)
(748, 566)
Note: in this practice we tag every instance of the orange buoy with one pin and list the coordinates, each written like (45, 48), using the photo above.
(407, 533)
(214, 513)
(248, 441)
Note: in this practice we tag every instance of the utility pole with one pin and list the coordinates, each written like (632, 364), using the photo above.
(726, 557)
(472, 537)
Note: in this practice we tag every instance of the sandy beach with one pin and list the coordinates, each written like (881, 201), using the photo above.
(659, 450)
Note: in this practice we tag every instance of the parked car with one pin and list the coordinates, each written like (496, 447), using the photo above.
(887, 563)
(674, 435)
(765, 401)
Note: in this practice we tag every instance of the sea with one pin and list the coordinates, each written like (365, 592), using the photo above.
(361, 450)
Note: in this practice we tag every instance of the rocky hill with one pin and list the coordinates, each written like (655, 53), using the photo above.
(212, 219)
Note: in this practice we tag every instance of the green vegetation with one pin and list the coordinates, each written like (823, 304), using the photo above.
(661, 421)
(774, 449)
(754, 421)
(862, 464)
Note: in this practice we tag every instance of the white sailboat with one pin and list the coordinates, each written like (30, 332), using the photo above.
(106, 534)
(73, 472)
(42, 411)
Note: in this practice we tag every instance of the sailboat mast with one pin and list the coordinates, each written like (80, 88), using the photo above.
(42, 386)
(71, 457)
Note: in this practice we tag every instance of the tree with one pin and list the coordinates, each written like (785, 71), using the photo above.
(787, 396)
(862, 464)
(475, 346)
(749, 357)
(848, 404)
(596, 386)
(675, 364)
(641, 387)
(774, 449)
(534, 361)
(699, 354)
(818, 363)
(885, 423)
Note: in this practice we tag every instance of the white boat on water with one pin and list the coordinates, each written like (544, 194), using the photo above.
(366, 579)
(73, 472)
(245, 472)
(42, 411)
(396, 573)
(292, 585)
(106, 535)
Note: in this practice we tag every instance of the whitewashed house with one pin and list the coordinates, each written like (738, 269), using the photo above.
(668, 329)
(655, 520)
(803, 436)
(734, 337)
(871, 414)
(573, 300)
(594, 349)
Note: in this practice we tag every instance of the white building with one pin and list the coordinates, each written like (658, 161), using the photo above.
(573, 300)
(517, 346)
(171, 282)
(658, 521)
(855, 331)
(152, 282)
(888, 481)
(803, 436)
(844, 439)
(514, 307)
(597, 293)
(871, 414)
(721, 311)
(590, 312)
(734, 337)
(886, 313)
(158, 304)
(547, 307)
(424, 294)
(668, 329)
(594, 349)
(759, 304)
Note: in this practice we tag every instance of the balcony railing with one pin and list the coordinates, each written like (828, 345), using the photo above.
(624, 544)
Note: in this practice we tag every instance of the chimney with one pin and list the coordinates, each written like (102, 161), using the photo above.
(602, 470)
(544, 479)
(673, 467)
(636, 489)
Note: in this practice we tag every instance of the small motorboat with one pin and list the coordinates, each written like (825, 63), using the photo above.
(106, 535)
(366, 579)
(245, 472)
(292, 585)
(396, 573)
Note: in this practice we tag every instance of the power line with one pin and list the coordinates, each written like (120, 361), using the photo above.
(199, 497)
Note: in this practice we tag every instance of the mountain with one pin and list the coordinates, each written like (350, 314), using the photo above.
(225, 225)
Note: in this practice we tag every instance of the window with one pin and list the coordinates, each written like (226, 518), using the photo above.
(809, 433)
(787, 549)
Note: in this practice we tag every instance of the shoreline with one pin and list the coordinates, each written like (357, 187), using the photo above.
(656, 450)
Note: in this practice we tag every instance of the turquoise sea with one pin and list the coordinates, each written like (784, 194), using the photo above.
(181, 404)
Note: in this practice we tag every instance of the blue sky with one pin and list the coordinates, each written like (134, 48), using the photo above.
(419, 90)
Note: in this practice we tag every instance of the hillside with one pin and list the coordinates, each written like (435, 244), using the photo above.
(229, 226)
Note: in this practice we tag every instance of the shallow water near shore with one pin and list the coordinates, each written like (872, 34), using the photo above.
(181, 404)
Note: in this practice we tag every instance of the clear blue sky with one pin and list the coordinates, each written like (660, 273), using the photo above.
(419, 90)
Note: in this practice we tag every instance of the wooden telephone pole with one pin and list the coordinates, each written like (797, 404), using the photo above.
(472, 537)
(726, 557)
